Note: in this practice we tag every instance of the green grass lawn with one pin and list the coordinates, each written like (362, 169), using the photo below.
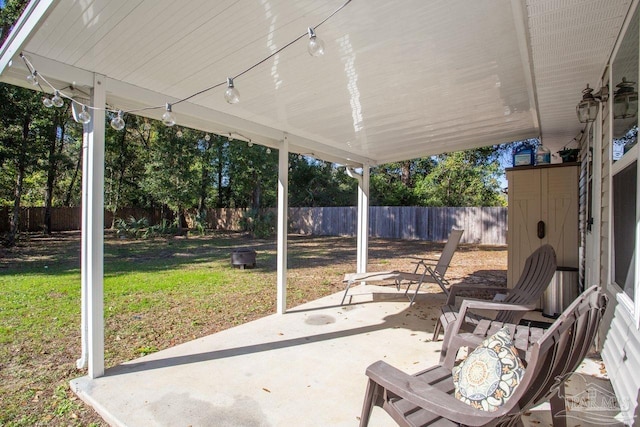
(157, 293)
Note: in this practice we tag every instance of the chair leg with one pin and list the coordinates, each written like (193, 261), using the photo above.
(367, 405)
(558, 409)
(446, 342)
(436, 330)
(345, 291)
(415, 294)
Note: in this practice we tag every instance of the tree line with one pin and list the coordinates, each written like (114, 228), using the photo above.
(150, 165)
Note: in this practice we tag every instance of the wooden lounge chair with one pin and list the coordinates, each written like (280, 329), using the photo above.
(513, 303)
(427, 398)
(426, 270)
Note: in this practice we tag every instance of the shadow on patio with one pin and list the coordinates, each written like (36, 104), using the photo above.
(279, 370)
(302, 368)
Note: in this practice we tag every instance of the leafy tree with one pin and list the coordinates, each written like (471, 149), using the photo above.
(126, 154)
(461, 179)
(393, 184)
(221, 147)
(59, 121)
(316, 183)
(170, 175)
(252, 175)
(69, 176)
(22, 147)
(9, 14)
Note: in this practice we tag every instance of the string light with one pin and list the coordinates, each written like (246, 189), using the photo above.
(315, 47)
(84, 117)
(231, 94)
(207, 137)
(33, 78)
(118, 122)
(168, 118)
(179, 134)
(57, 100)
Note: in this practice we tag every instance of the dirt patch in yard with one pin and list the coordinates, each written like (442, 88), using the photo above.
(35, 368)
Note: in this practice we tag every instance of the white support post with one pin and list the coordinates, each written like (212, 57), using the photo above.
(363, 221)
(283, 204)
(93, 232)
(84, 251)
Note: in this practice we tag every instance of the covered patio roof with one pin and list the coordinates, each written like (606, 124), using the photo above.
(398, 80)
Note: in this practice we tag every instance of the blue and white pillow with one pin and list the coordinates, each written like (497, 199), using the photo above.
(487, 378)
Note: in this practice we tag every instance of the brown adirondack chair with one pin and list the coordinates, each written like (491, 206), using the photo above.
(427, 397)
(432, 271)
(514, 303)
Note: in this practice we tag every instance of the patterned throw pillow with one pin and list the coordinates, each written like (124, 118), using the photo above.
(487, 378)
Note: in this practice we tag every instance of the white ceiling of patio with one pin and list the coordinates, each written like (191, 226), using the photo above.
(399, 80)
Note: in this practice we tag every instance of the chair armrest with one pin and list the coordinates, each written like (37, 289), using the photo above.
(426, 396)
(454, 289)
(490, 305)
(420, 259)
(484, 305)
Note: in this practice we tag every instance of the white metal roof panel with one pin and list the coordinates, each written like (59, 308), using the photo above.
(399, 80)
(571, 41)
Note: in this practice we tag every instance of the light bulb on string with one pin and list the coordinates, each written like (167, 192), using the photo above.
(268, 150)
(250, 144)
(118, 122)
(57, 99)
(179, 134)
(84, 116)
(46, 101)
(168, 118)
(33, 78)
(231, 94)
(316, 45)
(207, 137)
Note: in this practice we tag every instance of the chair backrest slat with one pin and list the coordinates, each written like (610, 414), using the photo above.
(448, 251)
(536, 275)
(560, 350)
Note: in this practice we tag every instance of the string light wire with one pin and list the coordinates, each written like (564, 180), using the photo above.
(33, 72)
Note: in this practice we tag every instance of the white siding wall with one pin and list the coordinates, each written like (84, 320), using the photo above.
(621, 355)
(618, 337)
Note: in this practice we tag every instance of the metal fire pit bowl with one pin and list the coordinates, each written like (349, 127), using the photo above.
(243, 258)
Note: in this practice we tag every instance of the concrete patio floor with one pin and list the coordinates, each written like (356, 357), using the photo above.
(304, 368)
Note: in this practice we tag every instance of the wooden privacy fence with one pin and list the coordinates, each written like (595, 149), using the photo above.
(482, 225)
(69, 218)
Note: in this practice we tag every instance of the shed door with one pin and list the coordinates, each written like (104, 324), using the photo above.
(525, 210)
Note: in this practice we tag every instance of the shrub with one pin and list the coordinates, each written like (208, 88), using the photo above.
(261, 224)
(131, 227)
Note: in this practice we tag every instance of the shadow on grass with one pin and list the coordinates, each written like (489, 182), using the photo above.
(60, 253)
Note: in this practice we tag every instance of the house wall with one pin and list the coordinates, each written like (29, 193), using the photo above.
(618, 337)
